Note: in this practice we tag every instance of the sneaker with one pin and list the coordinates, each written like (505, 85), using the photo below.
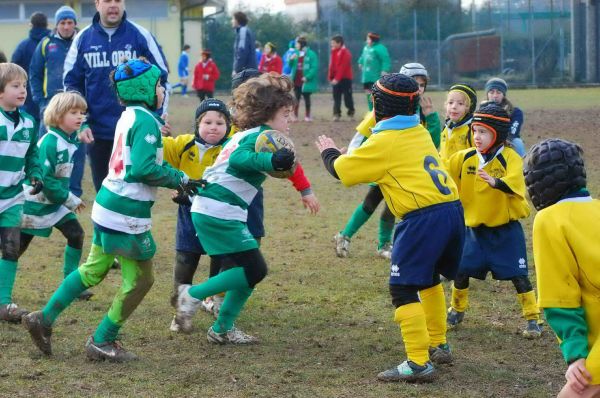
(233, 336)
(308, 119)
(174, 325)
(12, 313)
(410, 372)
(40, 333)
(207, 305)
(187, 306)
(110, 351)
(86, 295)
(336, 118)
(454, 318)
(342, 245)
(385, 251)
(441, 354)
(533, 330)
(217, 303)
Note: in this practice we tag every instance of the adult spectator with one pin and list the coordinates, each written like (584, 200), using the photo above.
(340, 77)
(183, 70)
(244, 54)
(304, 75)
(374, 62)
(206, 73)
(24, 52)
(95, 52)
(46, 78)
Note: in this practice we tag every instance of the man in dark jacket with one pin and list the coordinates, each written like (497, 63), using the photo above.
(24, 52)
(244, 54)
(96, 51)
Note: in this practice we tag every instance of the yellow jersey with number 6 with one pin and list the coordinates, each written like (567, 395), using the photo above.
(406, 166)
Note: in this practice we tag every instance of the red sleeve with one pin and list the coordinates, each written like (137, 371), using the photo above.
(343, 70)
(331, 68)
(261, 64)
(197, 76)
(299, 179)
(278, 64)
(216, 72)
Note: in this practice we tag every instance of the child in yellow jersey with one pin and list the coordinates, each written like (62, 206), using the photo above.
(192, 154)
(401, 159)
(567, 258)
(456, 135)
(492, 191)
(431, 121)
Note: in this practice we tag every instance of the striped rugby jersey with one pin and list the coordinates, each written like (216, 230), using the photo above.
(135, 169)
(48, 207)
(18, 157)
(234, 179)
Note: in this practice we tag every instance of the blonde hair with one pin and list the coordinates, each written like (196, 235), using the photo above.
(257, 100)
(10, 72)
(62, 103)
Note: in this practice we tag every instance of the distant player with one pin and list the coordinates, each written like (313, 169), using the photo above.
(461, 102)
(121, 216)
(55, 206)
(220, 210)
(492, 190)
(401, 159)
(431, 121)
(567, 258)
(19, 154)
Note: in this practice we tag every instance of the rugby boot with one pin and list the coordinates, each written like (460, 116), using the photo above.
(454, 318)
(441, 354)
(12, 313)
(40, 333)
(533, 330)
(187, 306)
(385, 251)
(109, 351)
(342, 245)
(233, 336)
(409, 371)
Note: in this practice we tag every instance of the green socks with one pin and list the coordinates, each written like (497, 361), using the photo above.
(107, 331)
(232, 279)
(231, 308)
(386, 228)
(72, 257)
(359, 217)
(8, 273)
(69, 290)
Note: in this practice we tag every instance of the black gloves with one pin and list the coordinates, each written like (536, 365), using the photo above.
(282, 159)
(37, 185)
(187, 189)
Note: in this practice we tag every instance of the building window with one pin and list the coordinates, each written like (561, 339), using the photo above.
(47, 8)
(9, 12)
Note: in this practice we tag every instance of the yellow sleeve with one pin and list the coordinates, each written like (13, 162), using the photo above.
(555, 266)
(173, 148)
(365, 126)
(453, 166)
(514, 174)
(365, 164)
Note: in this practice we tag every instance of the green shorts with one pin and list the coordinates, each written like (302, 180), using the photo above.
(11, 217)
(136, 247)
(45, 232)
(219, 236)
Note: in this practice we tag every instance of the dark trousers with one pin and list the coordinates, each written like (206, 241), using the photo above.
(203, 94)
(78, 169)
(298, 93)
(344, 87)
(99, 152)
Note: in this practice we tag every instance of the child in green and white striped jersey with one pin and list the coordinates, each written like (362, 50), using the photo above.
(55, 206)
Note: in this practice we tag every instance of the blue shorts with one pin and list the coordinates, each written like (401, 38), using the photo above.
(499, 250)
(428, 242)
(256, 215)
(185, 235)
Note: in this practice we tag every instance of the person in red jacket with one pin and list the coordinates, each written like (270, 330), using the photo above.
(206, 74)
(340, 77)
(270, 61)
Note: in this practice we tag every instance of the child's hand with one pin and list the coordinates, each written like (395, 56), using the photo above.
(426, 105)
(486, 177)
(165, 130)
(578, 376)
(311, 203)
(323, 142)
(37, 185)
(79, 208)
(86, 136)
(282, 159)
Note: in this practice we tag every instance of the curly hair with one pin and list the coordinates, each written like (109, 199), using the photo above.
(258, 99)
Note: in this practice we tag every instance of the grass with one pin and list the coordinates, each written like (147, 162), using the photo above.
(325, 323)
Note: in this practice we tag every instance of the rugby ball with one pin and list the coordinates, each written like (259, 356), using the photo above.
(271, 141)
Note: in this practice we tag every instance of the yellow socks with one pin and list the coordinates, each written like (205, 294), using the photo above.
(460, 299)
(531, 311)
(411, 319)
(434, 305)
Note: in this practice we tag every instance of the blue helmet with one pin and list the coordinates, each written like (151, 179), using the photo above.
(135, 81)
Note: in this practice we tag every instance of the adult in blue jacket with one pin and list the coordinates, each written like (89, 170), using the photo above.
(46, 78)
(244, 54)
(95, 53)
(24, 52)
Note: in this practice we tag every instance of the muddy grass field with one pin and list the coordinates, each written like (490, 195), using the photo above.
(325, 324)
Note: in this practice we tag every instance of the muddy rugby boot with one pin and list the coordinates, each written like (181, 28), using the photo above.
(110, 351)
(40, 333)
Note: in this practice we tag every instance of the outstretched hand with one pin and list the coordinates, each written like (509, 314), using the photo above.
(323, 142)
(578, 376)
(311, 203)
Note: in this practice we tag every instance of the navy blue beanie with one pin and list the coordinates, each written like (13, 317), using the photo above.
(65, 12)
(498, 84)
